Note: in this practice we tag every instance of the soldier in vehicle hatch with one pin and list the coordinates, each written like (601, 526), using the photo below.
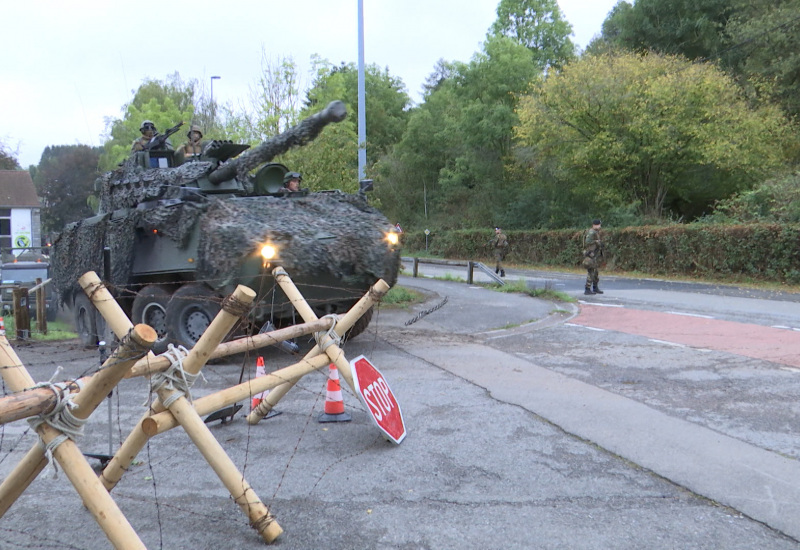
(148, 130)
(194, 146)
(291, 181)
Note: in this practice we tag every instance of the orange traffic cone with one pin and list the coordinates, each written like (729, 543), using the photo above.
(334, 404)
(259, 372)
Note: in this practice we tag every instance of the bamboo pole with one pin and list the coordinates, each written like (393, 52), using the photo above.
(257, 512)
(180, 408)
(94, 496)
(14, 373)
(30, 402)
(105, 303)
(164, 421)
(240, 345)
(378, 290)
(133, 345)
(192, 364)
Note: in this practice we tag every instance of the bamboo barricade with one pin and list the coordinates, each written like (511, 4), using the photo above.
(33, 401)
(378, 290)
(96, 499)
(233, 309)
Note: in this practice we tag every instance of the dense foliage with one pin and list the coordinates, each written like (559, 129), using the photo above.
(681, 110)
(64, 181)
(654, 131)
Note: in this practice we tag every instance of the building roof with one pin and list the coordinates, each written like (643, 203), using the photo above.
(17, 190)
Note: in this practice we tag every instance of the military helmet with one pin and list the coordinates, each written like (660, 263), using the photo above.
(291, 176)
(145, 123)
(194, 128)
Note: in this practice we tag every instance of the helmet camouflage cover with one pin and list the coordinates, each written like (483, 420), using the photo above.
(291, 176)
(194, 128)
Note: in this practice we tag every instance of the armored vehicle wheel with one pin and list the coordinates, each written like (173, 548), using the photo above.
(150, 308)
(189, 312)
(360, 325)
(85, 324)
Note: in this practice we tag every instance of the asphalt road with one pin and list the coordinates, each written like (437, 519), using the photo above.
(527, 428)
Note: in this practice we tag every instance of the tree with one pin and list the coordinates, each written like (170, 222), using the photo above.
(539, 26)
(387, 102)
(764, 40)
(8, 158)
(654, 131)
(165, 103)
(449, 167)
(692, 28)
(64, 182)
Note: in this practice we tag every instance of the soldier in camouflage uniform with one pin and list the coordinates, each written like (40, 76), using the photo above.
(148, 130)
(291, 181)
(194, 146)
(592, 256)
(500, 245)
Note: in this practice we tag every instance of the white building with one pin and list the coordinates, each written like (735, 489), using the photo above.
(20, 221)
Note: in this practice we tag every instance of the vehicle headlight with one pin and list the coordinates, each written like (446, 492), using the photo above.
(392, 238)
(268, 252)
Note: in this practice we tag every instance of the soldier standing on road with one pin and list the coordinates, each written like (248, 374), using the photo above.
(500, 245)
(592, 257)
(194, 146)
(148, 130)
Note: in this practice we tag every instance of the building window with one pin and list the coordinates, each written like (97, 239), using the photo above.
(5, 229)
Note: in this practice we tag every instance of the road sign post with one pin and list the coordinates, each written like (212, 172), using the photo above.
(374, 391)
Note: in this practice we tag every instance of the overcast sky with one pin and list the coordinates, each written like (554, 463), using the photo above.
(66, 66)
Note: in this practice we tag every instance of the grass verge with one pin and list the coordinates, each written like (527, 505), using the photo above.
(401, 297)
(56, 330)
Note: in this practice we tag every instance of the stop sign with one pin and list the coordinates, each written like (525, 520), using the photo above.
(379, 399)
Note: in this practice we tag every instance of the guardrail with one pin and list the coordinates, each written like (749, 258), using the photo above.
(469, 265)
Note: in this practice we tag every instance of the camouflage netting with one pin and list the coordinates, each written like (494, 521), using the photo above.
(79, 248)
(131, 185)
(330, 238)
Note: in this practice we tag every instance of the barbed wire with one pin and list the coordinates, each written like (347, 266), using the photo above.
(243, 326)
(422, 314)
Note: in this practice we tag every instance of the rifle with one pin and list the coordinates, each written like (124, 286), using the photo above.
(158, 141)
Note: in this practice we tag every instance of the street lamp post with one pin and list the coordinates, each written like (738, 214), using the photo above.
(213, 109)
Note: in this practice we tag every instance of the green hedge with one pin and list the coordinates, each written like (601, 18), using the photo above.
(769, 252)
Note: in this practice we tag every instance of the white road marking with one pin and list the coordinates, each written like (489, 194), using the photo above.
(691, 314)
(667, 343)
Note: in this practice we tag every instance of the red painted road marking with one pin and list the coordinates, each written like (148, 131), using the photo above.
(756, 341)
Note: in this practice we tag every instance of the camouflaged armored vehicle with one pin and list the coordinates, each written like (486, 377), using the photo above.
(175, 235)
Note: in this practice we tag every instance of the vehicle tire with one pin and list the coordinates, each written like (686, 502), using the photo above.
(189, 312)
(360, 325)
(150, 307)
(85, 324)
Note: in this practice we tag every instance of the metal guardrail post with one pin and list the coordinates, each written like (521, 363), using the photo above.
(416, 267)
(470, 267)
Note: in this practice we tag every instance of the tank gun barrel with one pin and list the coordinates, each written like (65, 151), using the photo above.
(301, 134)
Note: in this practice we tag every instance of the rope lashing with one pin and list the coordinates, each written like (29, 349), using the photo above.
(332, 336)
(236, 307)
(174, 378)
(60, 417)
